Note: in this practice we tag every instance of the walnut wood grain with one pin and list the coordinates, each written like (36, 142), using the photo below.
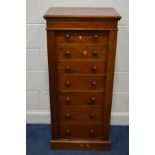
(66, 144)
(81, 131)
(81, 114)
(81, 82)
(109, 82)
(84, 98)
(76, 67)
(81, 24)
(82, 37)
(80, 51)
(103, 13)
(53, 83)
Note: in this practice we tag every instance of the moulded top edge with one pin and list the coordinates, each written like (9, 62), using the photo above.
(95, 13)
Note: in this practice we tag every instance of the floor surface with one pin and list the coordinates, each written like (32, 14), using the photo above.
(38, 137)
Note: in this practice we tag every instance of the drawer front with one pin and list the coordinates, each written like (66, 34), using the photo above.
(84, 98)
(81, 131)
(82, 37)
(81, 82)
(82, 67)
(82, 114)
(81, 52)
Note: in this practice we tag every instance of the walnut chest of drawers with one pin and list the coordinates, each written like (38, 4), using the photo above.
(81, 56)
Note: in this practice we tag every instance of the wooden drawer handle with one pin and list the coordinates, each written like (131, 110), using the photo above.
(92, 131)
(67, 53)
(92, 115)
(81, 145)
(88, 146)
(94, 68)
(95, 36)
(93, 99)
(67, 36)
(67, 83)
(68, 131)
(84, 52)
(67, 115)
(80, 37)
(67, 68)
(67, 99)
(93, 83)
(95, 53)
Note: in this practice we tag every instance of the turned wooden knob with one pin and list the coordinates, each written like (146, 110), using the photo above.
(67, 115)
(88, 146)
(93, 83)
(80, 37)
(67, 36)
(67, 68)
(81, 145)
(67, 83)
(67, 53)
(92, 115)
(95, 53)
(68, 131)
(94, 68)
(84, 52)
(93, 99)
(91, 131)
(67, 99)
(95, 36)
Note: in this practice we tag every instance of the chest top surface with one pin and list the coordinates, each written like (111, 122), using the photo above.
(66, 12)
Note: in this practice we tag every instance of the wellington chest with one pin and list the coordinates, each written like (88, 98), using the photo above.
(81, 58)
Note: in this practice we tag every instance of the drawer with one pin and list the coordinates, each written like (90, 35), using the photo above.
(82, 67)
(82, 37)
(83, 98)
(81, 131)
(83, 82)
(82, 114)
(73, 51)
